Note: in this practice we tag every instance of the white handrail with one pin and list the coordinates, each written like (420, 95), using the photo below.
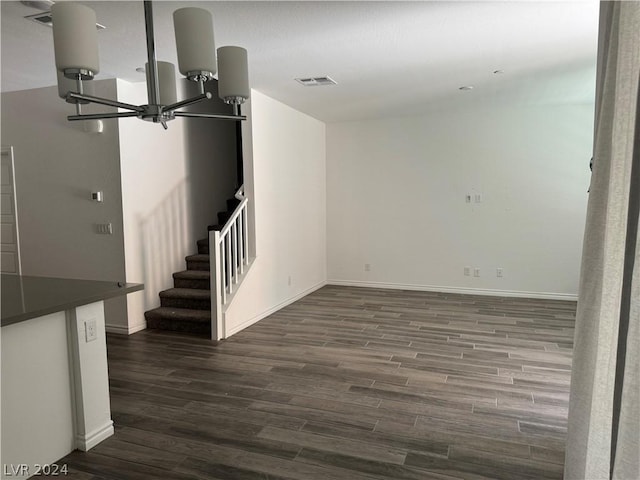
(228, 251)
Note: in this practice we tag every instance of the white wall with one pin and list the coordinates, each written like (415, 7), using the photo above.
(57, 166)
(286, 185)
(396, 200)
(210, 147)
(157, 225)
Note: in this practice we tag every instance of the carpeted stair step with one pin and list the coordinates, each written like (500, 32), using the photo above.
(215, 227)
(223, 217)
(198, 279)
(190, 298)
(179, 320)
(203, 246)
(197, 262)
(232, 203)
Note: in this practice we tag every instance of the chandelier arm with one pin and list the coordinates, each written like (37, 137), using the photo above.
(189, 101)
(210, 115)
(100, 116)
(105, 101)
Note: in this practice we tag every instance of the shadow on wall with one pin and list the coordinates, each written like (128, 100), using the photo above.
(163, 232)
(210, 148)
(169, 232)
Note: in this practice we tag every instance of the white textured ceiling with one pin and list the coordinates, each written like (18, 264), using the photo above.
(389, 58)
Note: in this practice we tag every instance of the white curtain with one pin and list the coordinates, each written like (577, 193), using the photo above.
(604, 419)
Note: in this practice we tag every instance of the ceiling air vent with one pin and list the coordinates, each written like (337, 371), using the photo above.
(44, 18)
(316, 81)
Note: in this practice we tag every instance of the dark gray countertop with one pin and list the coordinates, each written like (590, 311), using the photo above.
(25, 297)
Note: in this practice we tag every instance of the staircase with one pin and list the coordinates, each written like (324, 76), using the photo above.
(187, 306)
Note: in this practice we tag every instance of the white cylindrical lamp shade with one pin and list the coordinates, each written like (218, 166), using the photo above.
(194, 40)
(75, 37)
(166, 82)
(233, 74)
(66, 85)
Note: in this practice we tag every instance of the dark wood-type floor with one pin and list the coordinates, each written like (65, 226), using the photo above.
(347, 383)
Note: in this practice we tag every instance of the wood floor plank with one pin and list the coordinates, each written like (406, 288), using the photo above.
(226, 455)
(352, 447)
(346, 384)
(418, 443)
(363, 466)
(141, 454)
(515, 465)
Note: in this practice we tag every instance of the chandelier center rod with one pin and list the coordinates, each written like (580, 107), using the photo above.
(153, 91)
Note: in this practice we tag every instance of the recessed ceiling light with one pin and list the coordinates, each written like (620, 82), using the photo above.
(466, 87)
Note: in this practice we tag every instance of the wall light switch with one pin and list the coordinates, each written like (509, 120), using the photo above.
(104, 228)
(367, 267)
(476, 272)
(467, 198)
(478, 198)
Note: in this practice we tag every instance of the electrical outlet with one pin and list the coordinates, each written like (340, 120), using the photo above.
(90, 330)
(476, 272)
(367, 267)
(499, 272)
(467, 271)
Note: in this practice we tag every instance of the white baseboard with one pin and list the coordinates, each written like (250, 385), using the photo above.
(88, 441)
(137, 328)
(274, 309)
(461, 290)
(122, 330)
(119, 329)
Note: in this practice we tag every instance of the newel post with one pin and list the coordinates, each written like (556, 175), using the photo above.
(217, 320)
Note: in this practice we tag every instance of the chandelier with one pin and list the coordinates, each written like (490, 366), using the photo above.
(75, 41)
